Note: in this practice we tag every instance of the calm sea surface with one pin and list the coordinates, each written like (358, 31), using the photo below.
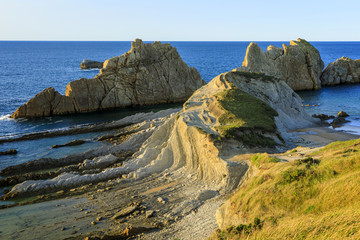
(26, 68)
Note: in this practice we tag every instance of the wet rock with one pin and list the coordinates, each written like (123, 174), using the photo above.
(323, 116)
(71, 143)
(88, 64)
(125, 212)
(342, 114)
(338, 121)
(9, 152)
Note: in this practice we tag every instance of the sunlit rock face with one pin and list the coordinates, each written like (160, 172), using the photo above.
(193, 142)
(298, 64)
(343, 71)
(147, 74)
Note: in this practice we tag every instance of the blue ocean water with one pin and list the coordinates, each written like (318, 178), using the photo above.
(28, 67)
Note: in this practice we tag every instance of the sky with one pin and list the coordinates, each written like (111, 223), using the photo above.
(182, 20)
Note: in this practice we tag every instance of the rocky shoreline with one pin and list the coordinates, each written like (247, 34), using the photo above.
(165, 174)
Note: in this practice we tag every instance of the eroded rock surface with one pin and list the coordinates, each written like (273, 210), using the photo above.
(147, 74)
(298, 64)
(88, 64)
(343, 71)
(193, 142)
(185, 164)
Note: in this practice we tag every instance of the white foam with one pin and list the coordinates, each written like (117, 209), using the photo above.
(5, 117)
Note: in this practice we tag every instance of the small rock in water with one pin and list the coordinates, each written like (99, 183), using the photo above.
(72, 143)
(342, 114)
(9, 152)
(99, 219)
(93, 223)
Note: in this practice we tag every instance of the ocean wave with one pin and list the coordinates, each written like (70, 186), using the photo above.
(5, 117)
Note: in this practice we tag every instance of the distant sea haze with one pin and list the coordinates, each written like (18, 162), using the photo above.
(29, 67)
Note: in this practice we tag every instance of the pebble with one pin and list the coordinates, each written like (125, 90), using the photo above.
(161, 200)
(99, 219)
(149, 213)
(93, 223)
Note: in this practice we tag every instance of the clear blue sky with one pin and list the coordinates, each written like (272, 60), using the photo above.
(182, 20)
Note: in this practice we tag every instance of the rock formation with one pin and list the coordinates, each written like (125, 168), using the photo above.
(88, 64)
(205, 138)
(147, 74)
(343, 70)
(298, 64)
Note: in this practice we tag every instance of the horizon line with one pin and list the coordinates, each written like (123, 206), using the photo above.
(175, 40)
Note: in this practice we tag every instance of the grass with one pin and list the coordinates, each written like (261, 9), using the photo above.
(262, 158)
(246, 118)
(313, 198)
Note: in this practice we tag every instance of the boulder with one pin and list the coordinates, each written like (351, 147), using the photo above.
(342, 71)
(323, 117)
(298, 64)
(88, 64)
(9, 152)
(342, 114)
(147, 74)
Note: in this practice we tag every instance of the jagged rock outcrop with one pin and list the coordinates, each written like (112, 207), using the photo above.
(147, 74)
(88, 64)
(193, 142)
(343, 71)
(298, 64)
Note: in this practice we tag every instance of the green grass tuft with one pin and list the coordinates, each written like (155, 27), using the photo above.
(246, 118)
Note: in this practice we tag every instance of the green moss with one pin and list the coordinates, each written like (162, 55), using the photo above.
(245, 116)
(262, 158)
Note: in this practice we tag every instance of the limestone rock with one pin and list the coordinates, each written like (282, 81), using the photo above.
(88, 64)
(147, 74)
(190, 142)
(298, 64)
(343, 70)
(124, 212)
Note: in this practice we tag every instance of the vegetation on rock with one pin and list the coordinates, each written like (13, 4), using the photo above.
(246, 118)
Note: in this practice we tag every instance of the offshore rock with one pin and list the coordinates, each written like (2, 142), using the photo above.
(343, 71)
(147, 74)
(298, 64)
(88, 64)
(9, 152)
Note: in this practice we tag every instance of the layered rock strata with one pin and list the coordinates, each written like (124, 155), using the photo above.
(298, 64)
(193, 142)
(343, 71)
(147, 74)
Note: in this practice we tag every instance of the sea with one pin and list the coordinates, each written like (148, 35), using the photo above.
(28, 67)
